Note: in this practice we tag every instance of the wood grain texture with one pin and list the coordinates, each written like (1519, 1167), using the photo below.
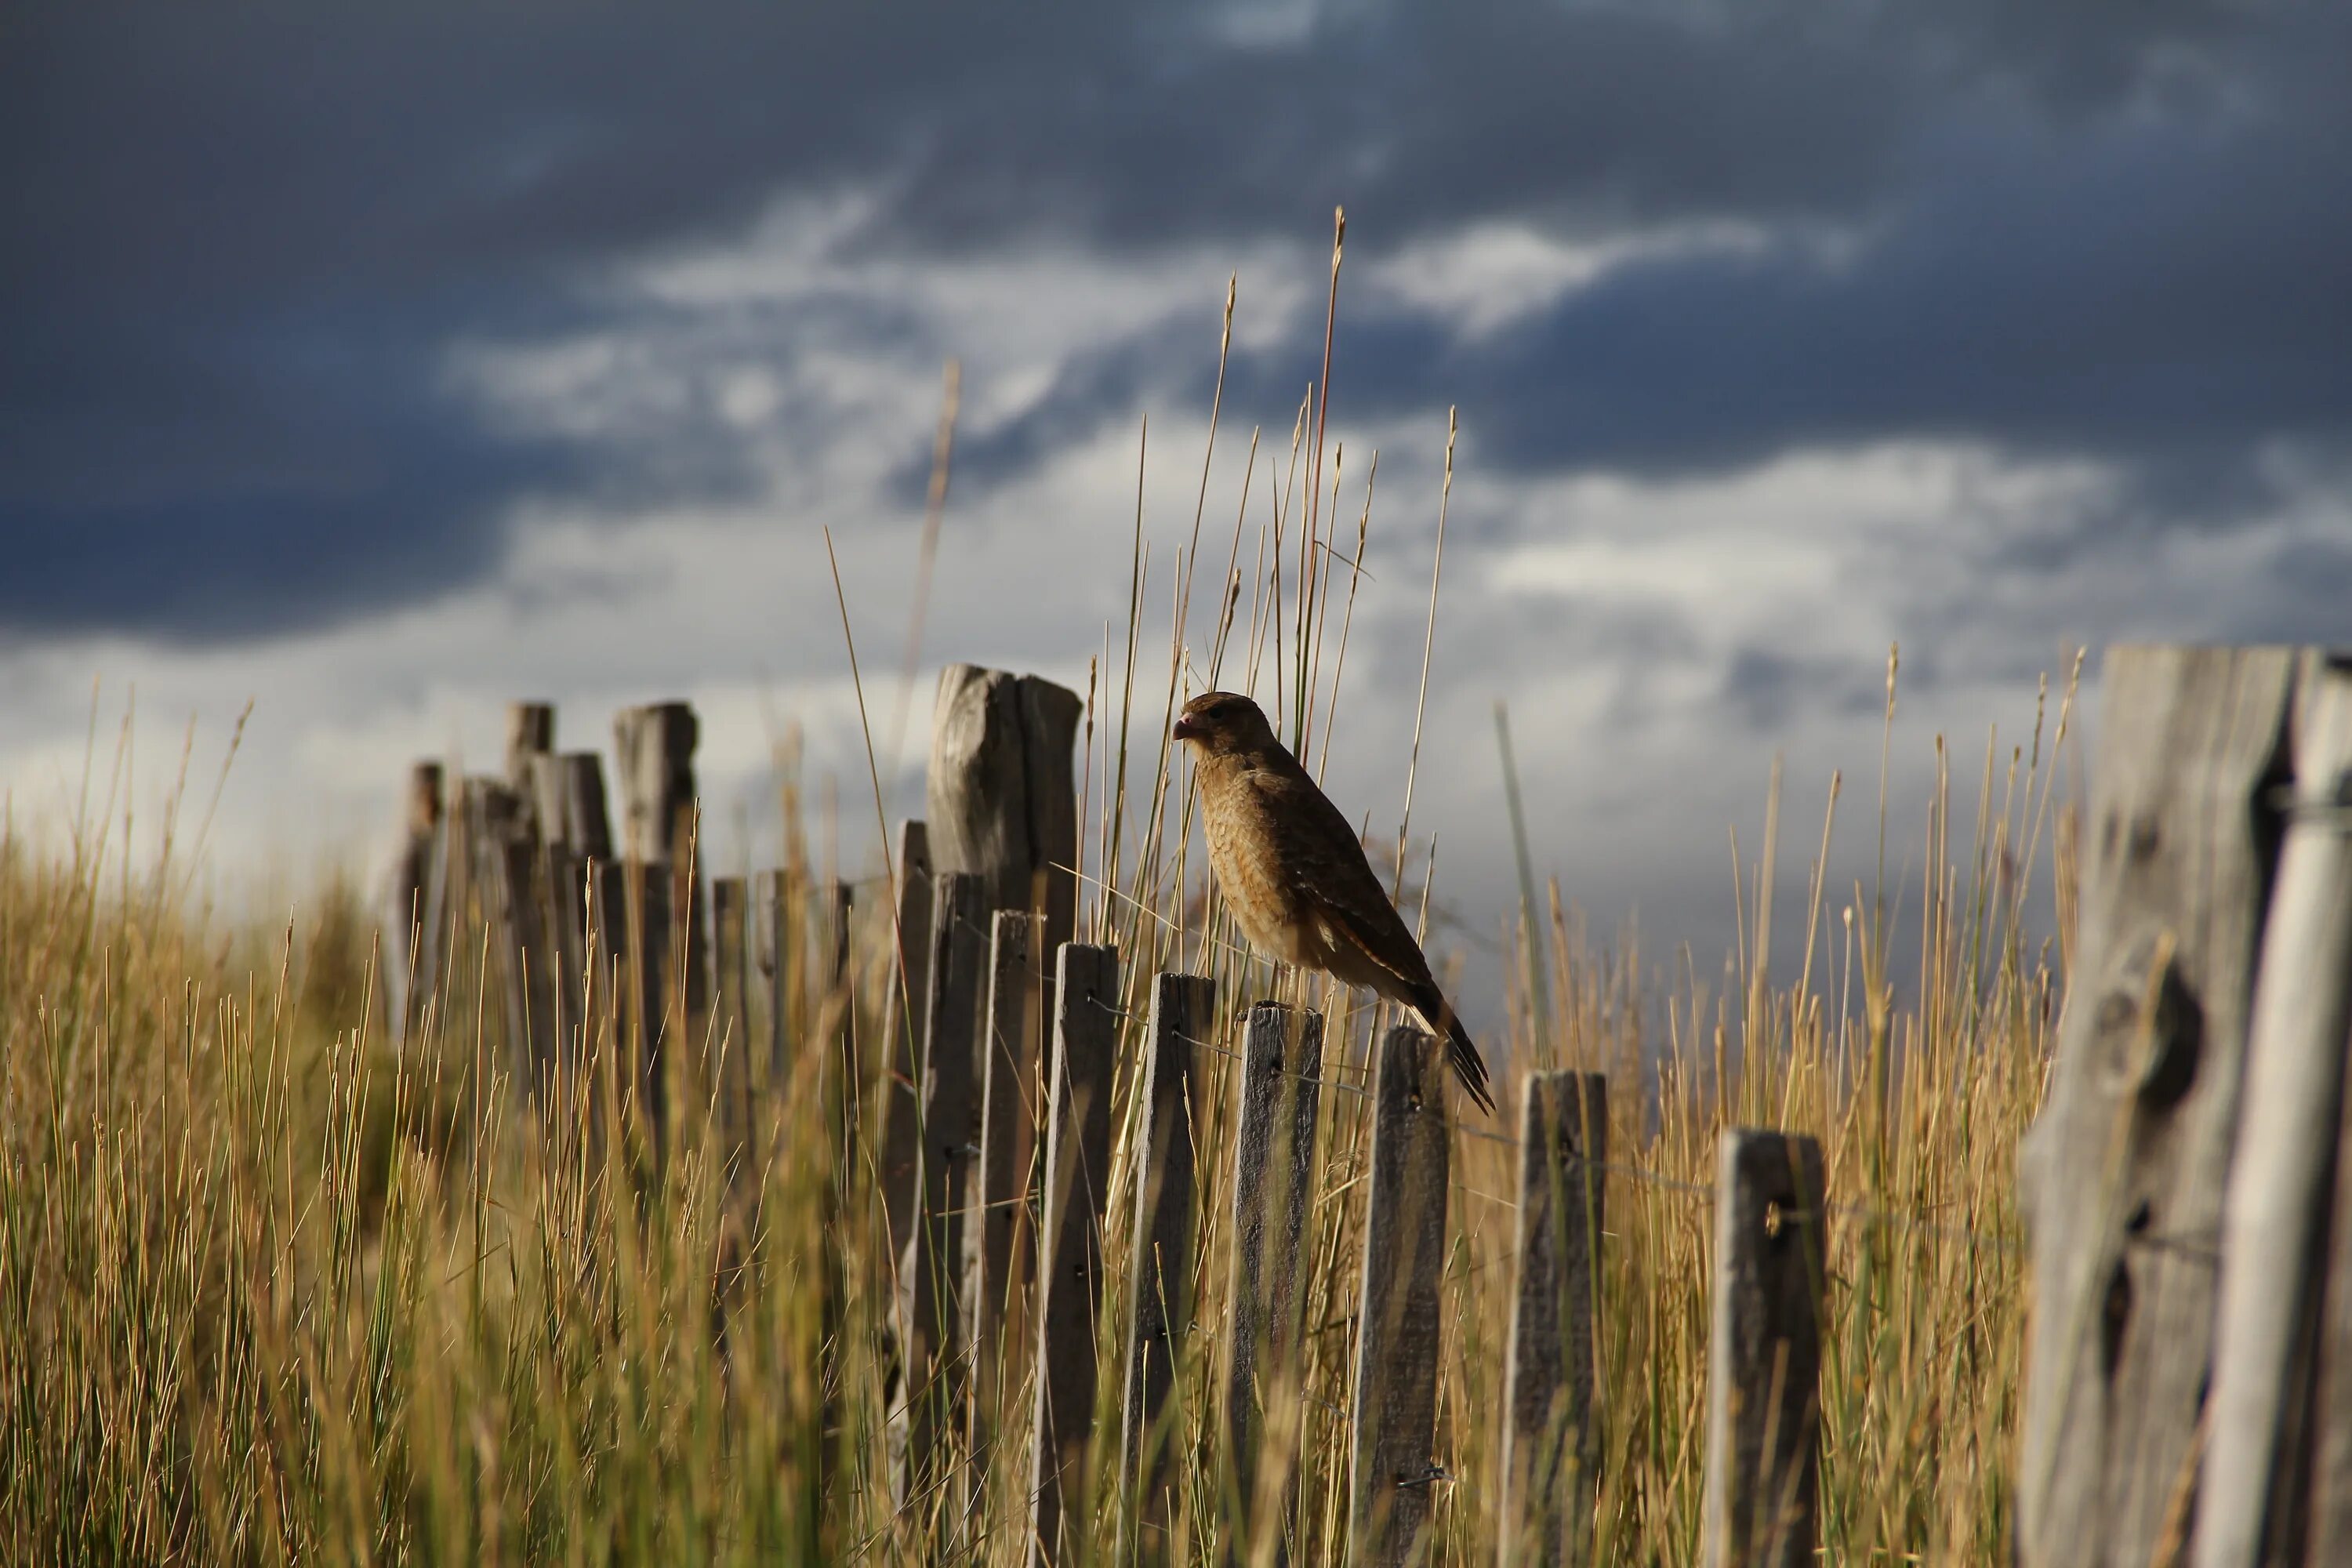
(2329, 1530)
(586, 816)
(643, 1046)
(2251, 1505)
(2122, 1176)
(1070, 1250)
(999, 1245)
(448, 896)
(407, 908)
(1159, 1268)
(1549, 1456)
(902, 1018)
(560, 884)
(772, 975)
(530, 735)
(845, 1099)
(1764, 1354)
(1394, 1427)
(506, 877)
(1002, 798)
(655, 745)
(723, 1045)
(1274, 1175)
(938, 1365)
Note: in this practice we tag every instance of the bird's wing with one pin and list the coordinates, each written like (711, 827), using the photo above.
(1323, 862)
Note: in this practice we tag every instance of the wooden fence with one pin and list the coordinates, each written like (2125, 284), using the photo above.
(2191, 1221)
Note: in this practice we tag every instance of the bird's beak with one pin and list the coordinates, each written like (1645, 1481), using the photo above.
(1186, 731)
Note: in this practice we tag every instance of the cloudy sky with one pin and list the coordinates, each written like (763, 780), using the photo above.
(379, 363)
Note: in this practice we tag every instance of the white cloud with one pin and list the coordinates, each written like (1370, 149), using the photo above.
(1619, 618)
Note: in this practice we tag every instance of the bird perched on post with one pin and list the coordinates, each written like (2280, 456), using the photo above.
(1295, 875)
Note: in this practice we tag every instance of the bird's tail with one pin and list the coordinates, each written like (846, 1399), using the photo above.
(1468, 1064)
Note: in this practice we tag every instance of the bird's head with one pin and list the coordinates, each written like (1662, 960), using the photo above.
(1222, 721)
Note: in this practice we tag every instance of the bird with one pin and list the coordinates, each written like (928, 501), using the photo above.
(1294, 874)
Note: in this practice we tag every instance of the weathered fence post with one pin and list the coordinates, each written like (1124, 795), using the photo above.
(506, 870)
(997, 1242)
(936, 1358)
(576, 840)
(2261, 1418)
(406, 911)
(557, 881)
(844, 1105)
(1550, 1370)
(837, 1102)
(593, 889)
(656, 747)
(643, 1041)
(1069, 1244)
(769, 956)
(1764, 1354)
(1160, 1267)
(727, 1038)
(530, 735)
(2122, 1177)
(902, 1013)
(1002, 803)
(1274, 1175)
(581, 806)
(1395, 1416)
(2331, 1446)
(448, 895)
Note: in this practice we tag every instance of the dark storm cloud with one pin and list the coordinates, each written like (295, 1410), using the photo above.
(2164, 291)
(235, 244)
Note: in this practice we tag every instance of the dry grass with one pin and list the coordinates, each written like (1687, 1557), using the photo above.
(268, 1293)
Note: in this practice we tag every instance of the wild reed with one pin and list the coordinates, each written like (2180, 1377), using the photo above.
(275, 1292)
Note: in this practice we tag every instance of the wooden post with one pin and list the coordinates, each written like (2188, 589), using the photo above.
(448, 893)
(2330, 1534)
(656, 746)
(1069, 1247)
(586, 821)
(406, 910)
(559, 882)
(1549, 1457)
(1397, 1340)
(725, 1043)
(531, 733)
(938, 1365)
(998, 1242)
(1002, 803)
(1274, 1177)
(1764, 1354)
(2250, 1505)
(609, 1023)
(2122, 1175)
(768, 958)
(902, 1030)
(844, 1100)
(506, 869)
(645, 1039)
(837, 1105)
(1160, 1270)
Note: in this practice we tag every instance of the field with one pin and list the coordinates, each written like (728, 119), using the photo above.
(275, 1292)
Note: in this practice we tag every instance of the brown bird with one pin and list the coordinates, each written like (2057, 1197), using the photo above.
(1295, 875)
